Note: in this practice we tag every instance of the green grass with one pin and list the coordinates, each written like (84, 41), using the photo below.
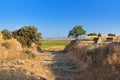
(54, 43)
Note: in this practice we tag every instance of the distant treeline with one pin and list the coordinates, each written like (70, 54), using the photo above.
(95, 34)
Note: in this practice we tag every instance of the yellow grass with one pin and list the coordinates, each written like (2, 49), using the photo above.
(30, 69)
(10, 69)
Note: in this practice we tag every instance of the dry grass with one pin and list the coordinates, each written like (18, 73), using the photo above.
(27, 67)
(24, 70)
(96, 61)
(15, 64)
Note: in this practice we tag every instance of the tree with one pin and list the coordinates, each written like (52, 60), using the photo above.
(76, 32)
(92, 34)
(111, 34)
(99, 34)
(28, 35)
(6, 34)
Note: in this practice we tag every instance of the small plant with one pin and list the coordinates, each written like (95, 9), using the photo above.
(29, 54)
(6, 45)
(89, 52)
(6, 34)
(39, 49)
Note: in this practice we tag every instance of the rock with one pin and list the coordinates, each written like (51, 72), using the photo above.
(41, 78)
(21, 63)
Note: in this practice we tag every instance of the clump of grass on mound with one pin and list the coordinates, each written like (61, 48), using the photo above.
(6, 45)
(29, 54)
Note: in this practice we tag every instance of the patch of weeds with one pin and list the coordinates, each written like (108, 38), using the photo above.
(29, 54)
(89, 52)
(6, 45)
(90, 48)
(39, 48)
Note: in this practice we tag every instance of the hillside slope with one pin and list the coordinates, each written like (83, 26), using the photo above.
(96, 62)
(17, 63)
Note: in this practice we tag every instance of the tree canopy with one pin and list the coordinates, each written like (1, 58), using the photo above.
(27, 35)
(76, 32)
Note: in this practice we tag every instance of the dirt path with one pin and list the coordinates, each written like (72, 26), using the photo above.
(62, 66)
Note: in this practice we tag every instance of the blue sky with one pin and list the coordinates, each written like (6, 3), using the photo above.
(54, 18)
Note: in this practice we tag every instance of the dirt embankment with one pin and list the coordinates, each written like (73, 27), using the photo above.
(96, 62)
(18, 63)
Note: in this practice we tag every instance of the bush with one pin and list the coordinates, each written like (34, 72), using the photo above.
(99, 34)
(29, 54)
(92, 34)
(27, 35)
(39, 49)
(6, 34)
(6, 45)
(110, 34)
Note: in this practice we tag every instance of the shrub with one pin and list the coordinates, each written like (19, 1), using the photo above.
(6, 45)
(111, 34)
(92, 34)
(6, 34)
(99, 34)
(39, 49)
(27, 35)
(29, 54)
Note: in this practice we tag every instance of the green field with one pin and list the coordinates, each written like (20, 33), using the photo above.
(49, 44)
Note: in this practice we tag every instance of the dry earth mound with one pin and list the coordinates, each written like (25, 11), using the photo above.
(96, 62)
(18, 63)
